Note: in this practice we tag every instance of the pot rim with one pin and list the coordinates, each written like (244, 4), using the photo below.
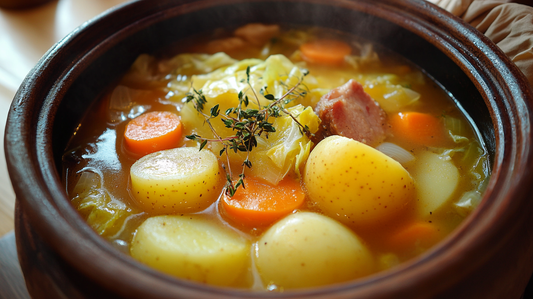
(28, 133)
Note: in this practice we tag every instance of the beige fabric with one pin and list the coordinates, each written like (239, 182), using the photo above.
(456, 7)
(508, 25)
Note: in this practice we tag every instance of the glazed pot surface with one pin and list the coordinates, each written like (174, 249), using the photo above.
(489, 256)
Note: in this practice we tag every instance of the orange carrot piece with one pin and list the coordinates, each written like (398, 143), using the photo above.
(419, 128)
(261, 203)
(325, 51)
(420, 233)
(152, 132)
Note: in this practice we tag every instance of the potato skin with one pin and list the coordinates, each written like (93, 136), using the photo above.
(308, 250)
(176, 181)
(356, 184)
(191, 247)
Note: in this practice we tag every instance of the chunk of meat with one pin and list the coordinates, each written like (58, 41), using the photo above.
(257, 34)
(349, 111)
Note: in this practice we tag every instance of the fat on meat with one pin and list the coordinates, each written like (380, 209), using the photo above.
(349, 111)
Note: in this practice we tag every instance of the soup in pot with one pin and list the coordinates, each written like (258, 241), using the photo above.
(273, 158)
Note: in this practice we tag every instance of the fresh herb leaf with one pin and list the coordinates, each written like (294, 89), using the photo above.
(247, 123)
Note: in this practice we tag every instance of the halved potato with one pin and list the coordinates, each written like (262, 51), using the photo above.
(176, 180)
(192, 248)
(436, 180)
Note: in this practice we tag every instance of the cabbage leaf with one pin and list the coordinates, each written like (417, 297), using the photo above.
(102, 212)
(284, 150)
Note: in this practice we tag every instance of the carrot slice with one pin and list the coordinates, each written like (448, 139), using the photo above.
(419, 128)
(152, 132)
(325, 51)
(419, 233)
(261, 203)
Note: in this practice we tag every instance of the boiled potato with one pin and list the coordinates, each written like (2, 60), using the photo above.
(176, 180)
(308, 250)
(436, 180)
(356, 184)
(192, 248)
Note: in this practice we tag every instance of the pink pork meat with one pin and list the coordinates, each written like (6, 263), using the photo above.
(349, 111)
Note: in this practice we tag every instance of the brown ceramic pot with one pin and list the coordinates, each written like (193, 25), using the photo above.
(489, 256)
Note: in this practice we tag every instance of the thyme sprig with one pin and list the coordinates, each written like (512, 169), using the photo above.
(247, 123)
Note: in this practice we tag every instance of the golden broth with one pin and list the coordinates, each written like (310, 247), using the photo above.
(98, 156)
